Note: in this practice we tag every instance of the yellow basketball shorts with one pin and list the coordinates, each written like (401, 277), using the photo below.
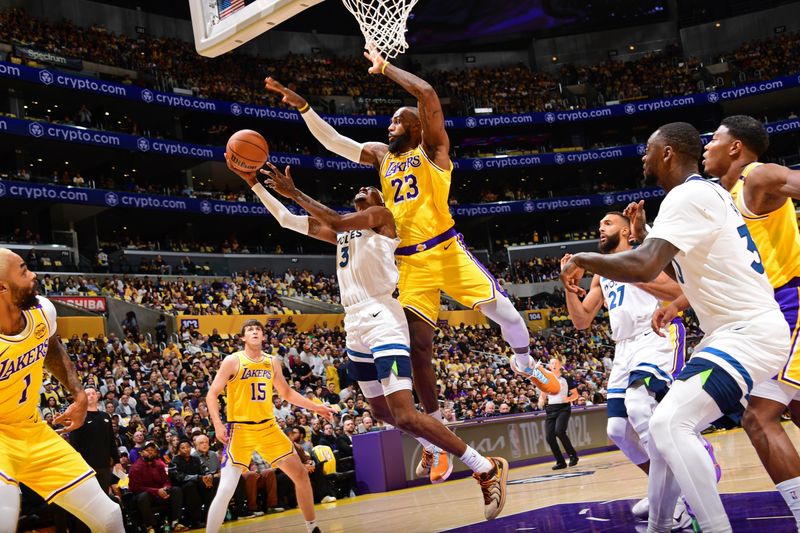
(34, 454)
(450, 267)
(265, 438)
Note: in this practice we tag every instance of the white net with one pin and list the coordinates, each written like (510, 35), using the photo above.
(383, 22)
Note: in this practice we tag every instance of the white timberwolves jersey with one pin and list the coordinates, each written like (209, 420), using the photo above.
(630, 309)
(717, 265)
(365, 265)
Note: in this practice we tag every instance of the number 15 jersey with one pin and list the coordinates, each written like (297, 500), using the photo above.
(22, 361)
(416, 191)
(250, 390)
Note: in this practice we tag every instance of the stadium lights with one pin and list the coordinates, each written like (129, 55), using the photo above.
(717, 24)
(554, 59)
(631, 47)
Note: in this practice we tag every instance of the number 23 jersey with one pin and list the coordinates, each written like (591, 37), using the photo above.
(416, 191)
(22, 363)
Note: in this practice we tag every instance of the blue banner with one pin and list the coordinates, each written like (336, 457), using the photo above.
(78, 134)
(20, 190)
(176, 101)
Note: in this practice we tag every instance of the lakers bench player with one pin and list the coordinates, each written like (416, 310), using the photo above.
(249, 376)
(30, 451)
(415, 172)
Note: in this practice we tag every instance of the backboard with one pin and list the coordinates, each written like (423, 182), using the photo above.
(222, 25)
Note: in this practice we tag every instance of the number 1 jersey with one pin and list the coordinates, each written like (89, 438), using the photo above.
(22, 362)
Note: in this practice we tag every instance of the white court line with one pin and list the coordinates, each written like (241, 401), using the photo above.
(598, 519)
(769, 517)
(526, 528)
(618, 499)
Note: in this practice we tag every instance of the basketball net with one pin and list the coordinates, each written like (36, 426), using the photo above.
(383, 22)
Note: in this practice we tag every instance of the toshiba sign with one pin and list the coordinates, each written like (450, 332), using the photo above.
(90, 303)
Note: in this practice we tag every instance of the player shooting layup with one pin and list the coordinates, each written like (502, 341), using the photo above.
(31, 452)
(415, 172)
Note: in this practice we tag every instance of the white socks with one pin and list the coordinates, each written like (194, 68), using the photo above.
(427, 445)
(790, 490)
(310, 525)
(475, 461)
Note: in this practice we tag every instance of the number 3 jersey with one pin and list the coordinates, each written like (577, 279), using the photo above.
(717, 264)
(365, 265)
(249, 394)
(416, 191)
(22, 362)
(630, 309)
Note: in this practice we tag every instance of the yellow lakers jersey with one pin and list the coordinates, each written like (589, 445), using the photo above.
(775, 234)
(250, 390)
(416, 191)
(21, 365)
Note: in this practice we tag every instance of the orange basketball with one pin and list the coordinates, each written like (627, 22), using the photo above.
(247, 150)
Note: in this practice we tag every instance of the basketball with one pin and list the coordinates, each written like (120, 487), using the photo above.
(247, 150)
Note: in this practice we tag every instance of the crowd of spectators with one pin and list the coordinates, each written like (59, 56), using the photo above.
(169, 62)
(246, 293)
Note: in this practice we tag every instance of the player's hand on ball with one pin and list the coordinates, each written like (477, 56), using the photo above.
(372, 54)
(74, 416)
(249, 177)
(280, 182)
(221, 433)
(289, 96)
(661, 317)
(325, 412)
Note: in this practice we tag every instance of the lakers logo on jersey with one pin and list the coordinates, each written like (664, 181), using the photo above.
(416, 191)
(250, 390)
(10, 366)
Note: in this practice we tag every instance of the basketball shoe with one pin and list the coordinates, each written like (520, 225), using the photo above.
(538, 374)
(493, 486)
(436, 465)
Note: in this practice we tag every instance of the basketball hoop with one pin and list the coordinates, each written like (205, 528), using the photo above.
(383, 22)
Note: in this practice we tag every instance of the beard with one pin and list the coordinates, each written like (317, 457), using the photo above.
(399, 143)
(650, 179)
(24, 298)
(612, 241)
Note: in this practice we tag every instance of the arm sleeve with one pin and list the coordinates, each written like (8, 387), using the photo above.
(332, 139)
(284, 217)
(689, 215)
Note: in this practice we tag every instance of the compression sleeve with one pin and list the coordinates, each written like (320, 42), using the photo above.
(284, 217)
(331, 139)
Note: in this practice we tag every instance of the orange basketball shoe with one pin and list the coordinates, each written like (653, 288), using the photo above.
(539, 375)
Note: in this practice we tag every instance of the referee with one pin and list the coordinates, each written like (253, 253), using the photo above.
(95, 441)
(558, 410)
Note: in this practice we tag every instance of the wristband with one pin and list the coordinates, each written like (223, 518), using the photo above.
(304, 108)
(383, 68)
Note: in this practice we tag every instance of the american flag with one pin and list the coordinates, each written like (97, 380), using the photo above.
(228, 7)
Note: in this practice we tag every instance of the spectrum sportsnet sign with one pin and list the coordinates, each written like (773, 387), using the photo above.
(95, 304)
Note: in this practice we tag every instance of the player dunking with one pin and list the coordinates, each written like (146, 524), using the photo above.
(30, 451)
(700, 239)
(415, 174)
(250, 376)
(377, 331)
(763, 194)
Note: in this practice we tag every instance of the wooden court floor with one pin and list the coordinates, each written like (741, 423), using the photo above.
(458, 503)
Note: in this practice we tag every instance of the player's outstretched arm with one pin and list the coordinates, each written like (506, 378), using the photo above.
(365, 153)
(369, 218)
(292, 396)
(434, 136)
(640, 265)
(228, 368)
(287, 219)
(57, 361)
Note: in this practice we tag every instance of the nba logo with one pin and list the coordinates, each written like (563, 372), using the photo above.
(793, 494)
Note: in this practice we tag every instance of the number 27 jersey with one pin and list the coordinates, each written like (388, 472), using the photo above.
(630, 309)
(416, 191)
